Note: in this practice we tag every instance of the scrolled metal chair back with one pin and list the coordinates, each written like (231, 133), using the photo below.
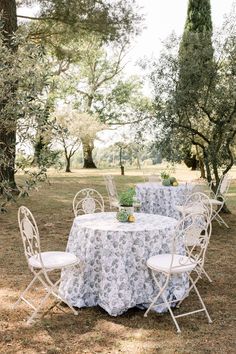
(29, 233)
(110, 186)
(111, 191)
(200, 200)
(224, 185)
(87, 201)
(154, 178)
(197, 226)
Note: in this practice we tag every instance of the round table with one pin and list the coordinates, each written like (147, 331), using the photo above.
(158, 199)
(114, 274)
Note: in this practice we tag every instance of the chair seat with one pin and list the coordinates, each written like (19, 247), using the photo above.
(215, 201)
(53, 260)
(115, 203)
(162, 263)
(192, 209)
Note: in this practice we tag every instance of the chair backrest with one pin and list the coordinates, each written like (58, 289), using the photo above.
(29, 233)
(111, 190)
(199, 187)
(87, 201)
(201, 202)
(154, 178)
(223, 185)
(199, 226)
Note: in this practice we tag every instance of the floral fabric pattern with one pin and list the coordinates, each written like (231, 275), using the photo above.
(161, 200)
(114, 274)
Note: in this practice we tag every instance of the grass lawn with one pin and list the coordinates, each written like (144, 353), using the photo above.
(94, 331)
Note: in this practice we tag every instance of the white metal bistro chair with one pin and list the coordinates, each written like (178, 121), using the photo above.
(154, 178)
(41, 264)
(200, 186)
(112, 191)
(218, 199)
(178, 261)
(197, 202)
(88, 201)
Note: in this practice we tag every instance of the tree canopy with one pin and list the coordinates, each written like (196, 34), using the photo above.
(202, 116)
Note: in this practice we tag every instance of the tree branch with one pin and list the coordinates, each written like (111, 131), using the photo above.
(196, 132)
(38, 18)
(133, 122)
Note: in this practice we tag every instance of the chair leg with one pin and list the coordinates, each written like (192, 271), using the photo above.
(153, 302)
(190, 288)
(21, 297)
(54, 290)
(219, 219)
(200, 298)
(67, 303)
(51, 289)
(207, 275)
(161, 294)
(157, 296)
(34, 314)
(171, 312)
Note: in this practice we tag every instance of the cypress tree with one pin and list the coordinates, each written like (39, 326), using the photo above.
(199, 17)
(196, 43)
(196, 62)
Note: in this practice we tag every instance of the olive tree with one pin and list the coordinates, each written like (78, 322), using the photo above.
(23, 76)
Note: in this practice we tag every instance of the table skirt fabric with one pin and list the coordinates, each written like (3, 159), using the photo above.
(161, 200)
(113, 272)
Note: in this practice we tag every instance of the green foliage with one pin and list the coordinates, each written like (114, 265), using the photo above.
(169, 181)
(200, 115)
(126, 197)
(110, 19)
(23, 76)
(94, 84)
(165, 175)
(122, 215)
(28, 90)
(198, 16)
(196, 51)
(166, 182)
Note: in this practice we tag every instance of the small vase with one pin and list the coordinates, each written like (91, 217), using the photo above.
(128, 209)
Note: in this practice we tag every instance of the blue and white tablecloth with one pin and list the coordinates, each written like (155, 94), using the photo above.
(114, 273)
(158, 199)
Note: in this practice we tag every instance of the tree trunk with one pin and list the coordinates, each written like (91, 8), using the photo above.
(194, 163)
(8, 130)
(201, 164)
(214, 186)
(40, 142)
(122, 168)
(38, 147)
(88, 154)
(138, 163)
(7, 166)
(202, 169)
(68, 164)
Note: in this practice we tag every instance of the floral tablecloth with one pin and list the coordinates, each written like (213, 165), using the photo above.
(114, 274)
(158, 199)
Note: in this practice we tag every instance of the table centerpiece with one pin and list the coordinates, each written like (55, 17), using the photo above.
(168, 180)
(126, 208)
